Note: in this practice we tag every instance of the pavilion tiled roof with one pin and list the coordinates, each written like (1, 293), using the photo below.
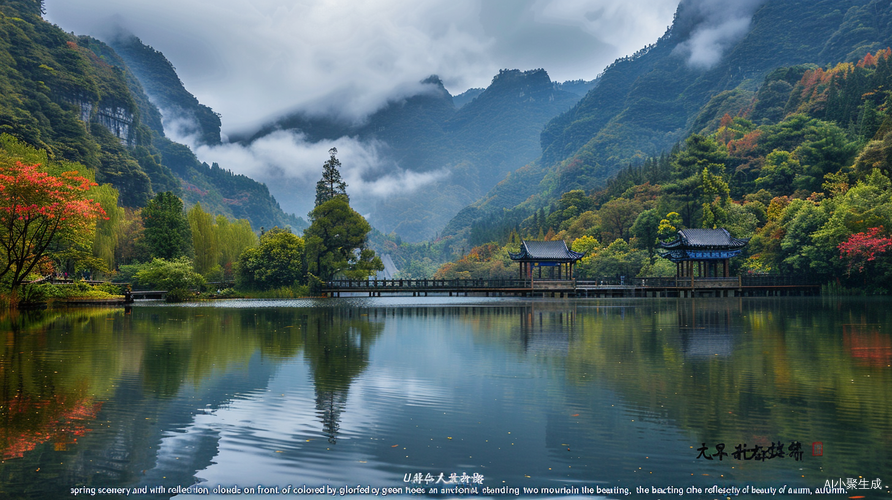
(706, 239)
(702, 244)
(545, 251)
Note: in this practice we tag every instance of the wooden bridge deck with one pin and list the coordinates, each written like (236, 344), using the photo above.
(632, 287)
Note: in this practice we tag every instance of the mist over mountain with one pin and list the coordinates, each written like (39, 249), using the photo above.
(426, 157)
(714, 53)
(180, 110)
(251, 60)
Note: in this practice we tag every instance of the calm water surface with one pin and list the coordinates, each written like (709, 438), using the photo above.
(610, 394)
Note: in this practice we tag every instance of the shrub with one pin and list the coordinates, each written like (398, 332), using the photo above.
(177, 295)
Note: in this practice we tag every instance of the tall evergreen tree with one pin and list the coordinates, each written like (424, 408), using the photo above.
(167, 230)
(330, 185)
(336, 243)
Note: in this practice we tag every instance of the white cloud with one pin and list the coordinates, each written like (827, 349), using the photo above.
(252, 59)
(717, 26)
(290, 166)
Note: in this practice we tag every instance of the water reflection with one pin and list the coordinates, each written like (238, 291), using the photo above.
(526, 392)
(337, 348)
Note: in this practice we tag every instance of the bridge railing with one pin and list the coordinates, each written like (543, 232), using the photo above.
(410, 284)
(698, 282)
(646, 282)
(776, 280)
(658, 281)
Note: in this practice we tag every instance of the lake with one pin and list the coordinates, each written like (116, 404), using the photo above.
(473, 396)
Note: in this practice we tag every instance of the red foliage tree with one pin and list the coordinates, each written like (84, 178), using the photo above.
(861, 248)
(38, 210)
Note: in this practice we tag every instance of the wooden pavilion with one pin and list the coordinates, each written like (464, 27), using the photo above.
(551, 254)
(698, 252)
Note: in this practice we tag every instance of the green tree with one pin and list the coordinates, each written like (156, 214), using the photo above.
(105, 241)
(687, 171)
(277, 262)
(669, 226)
(800, 219)
(166, 228)
(586, 245)
(175, 274)
(781, 167)
(617, 217)
(336, 242)
(646, 229)
(866, 205)
(330, 185)
(233, 238)
(204, 240)
(716, 198)
(617, 259)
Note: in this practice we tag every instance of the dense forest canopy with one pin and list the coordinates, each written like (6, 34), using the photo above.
(802, 168)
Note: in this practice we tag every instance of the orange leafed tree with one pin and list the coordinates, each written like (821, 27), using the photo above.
(39, 211)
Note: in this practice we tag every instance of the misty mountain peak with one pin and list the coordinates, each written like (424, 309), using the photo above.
(433, 80)
(524, 86)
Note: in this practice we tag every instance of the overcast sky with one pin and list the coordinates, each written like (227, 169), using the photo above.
(253, 59)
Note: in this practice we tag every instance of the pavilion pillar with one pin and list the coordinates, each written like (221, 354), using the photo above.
(725, 266)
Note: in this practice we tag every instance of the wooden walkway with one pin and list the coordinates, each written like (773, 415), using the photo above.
(741, 286)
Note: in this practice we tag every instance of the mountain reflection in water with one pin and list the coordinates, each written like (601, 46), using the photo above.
(544, 393)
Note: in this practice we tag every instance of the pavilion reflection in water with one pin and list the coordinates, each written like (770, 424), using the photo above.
(707, 327)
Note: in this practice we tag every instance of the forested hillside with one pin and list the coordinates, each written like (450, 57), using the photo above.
(803, 168)
(77, 99)
(645, 103)
(161, 83)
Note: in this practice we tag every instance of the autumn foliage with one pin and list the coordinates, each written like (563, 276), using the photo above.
(864, 247)
(39, 210)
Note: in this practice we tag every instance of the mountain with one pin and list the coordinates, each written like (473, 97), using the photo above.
(466, 150)
(77, 98)
(159, 79)
(645, 103)
(466, 97)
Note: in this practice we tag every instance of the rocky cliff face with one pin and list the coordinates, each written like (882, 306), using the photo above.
(116, 118)
(118, 121)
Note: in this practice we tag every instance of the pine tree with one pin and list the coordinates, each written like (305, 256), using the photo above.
(330, 185)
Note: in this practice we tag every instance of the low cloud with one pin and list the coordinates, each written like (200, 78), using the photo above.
(290, 166)
(713, 27)
(254, 59)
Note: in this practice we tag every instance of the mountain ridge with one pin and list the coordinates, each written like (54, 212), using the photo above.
(644, 104)
(468, 148)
